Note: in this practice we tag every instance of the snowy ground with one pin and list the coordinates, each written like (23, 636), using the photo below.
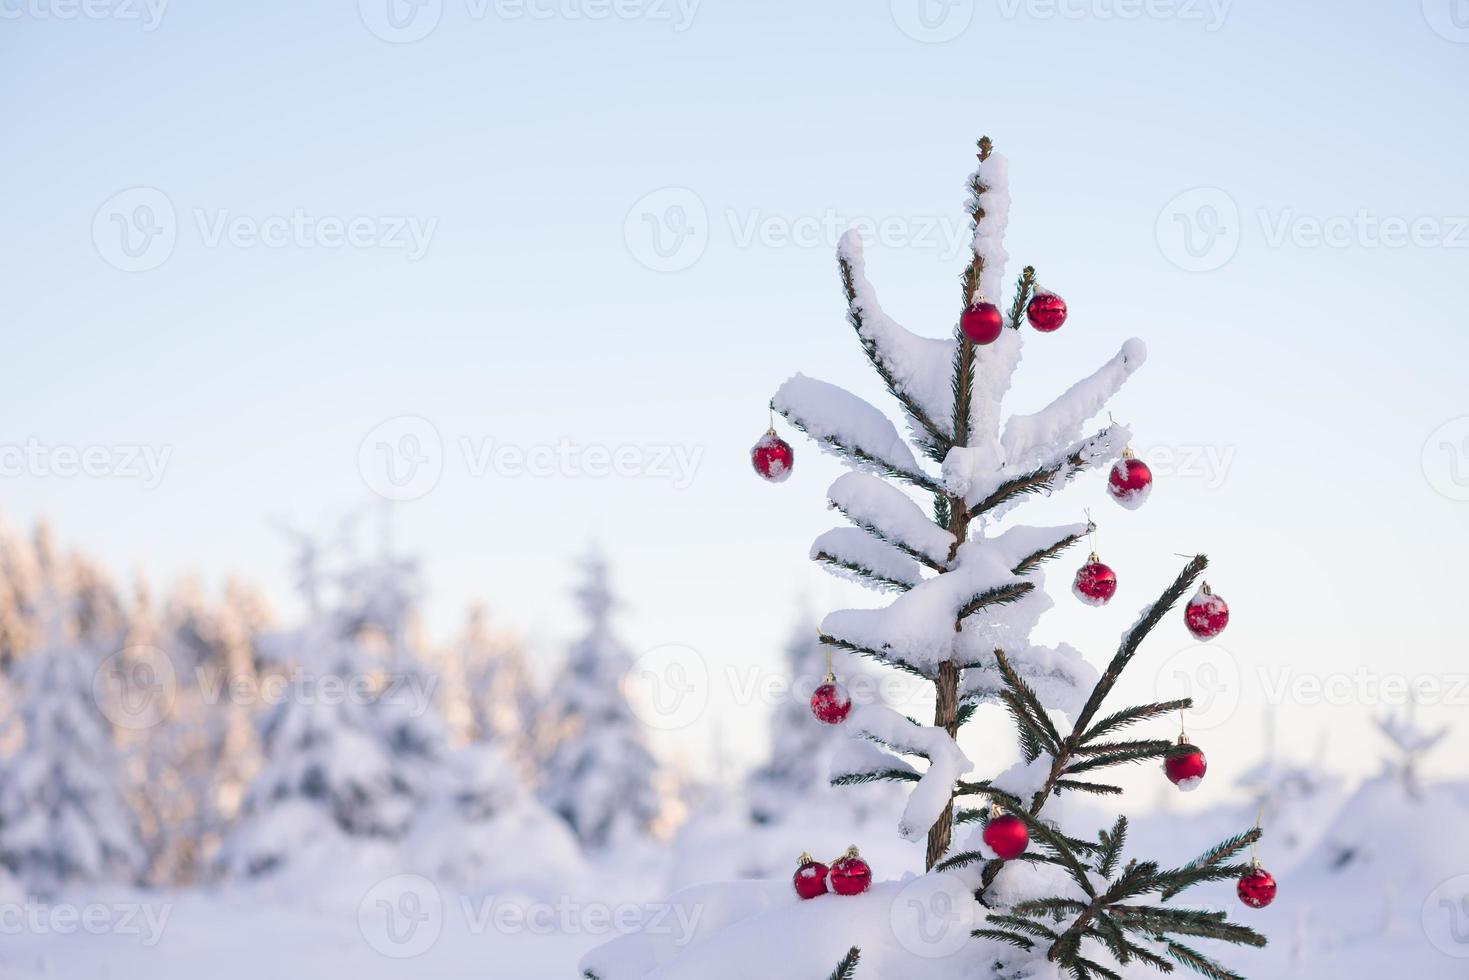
(1397, 908)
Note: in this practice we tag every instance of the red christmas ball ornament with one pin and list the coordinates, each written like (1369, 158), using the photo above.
(1006, 835)
(773, 457)
(830, 702)
(810, 877)
(1095, 583)
(982, 322)
(1256, 887)
(1185, 766)
(1046, 311)
(1206, 614)
(1130, 481)
(850, 875)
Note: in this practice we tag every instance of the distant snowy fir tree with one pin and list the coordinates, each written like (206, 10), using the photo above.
(599, 774)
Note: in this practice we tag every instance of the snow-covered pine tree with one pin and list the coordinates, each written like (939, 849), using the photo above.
(969, 589)
(64, 815)
(355, 746)
(599, 775)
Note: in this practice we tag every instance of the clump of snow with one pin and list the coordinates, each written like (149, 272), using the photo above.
(872, 502)
(1032, 439)
(830, 414)
(918, 626)
(946, 763)
(922, 367)
(854, 546)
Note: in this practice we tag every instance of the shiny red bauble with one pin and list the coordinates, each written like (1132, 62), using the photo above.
(1006, 836)
(1206, 614)
(982, 322)
(773, 457)
(831, 703)
(1046, 311)
(1095, 583)
(1256, 887)
(810, 877)
(1130, 481)
(1185, 767)
(849, 875)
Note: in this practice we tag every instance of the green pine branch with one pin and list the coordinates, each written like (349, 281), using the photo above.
(1210, 866)
(1112, 842)
(1134, 637)
(1131, 716)
(881, 656)
(1034, 559)
(876, 776)
(847, 968)
(862, 572)
(1023, 290)
(1027, 705)
(999, 596)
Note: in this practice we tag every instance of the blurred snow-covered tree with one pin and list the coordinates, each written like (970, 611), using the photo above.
(64, 815)
(353, 743)
(599, 775)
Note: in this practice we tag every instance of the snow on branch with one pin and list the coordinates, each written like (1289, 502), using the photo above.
(915, 369)
(1023, 547)
(945, 762)
(991, 490)
(889, 514)
(1032, 438)
(919, 625)
(850, 553)
(862, 761)
(850, 428)
(990, 206)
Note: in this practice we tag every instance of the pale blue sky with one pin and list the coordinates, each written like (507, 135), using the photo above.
(520, 146)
